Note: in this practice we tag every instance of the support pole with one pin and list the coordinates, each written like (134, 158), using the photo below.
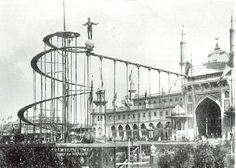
(114, 116)
(168, 83)
(45, 89)
(41, 104)
(85, 111)
(64, 90)
(159, 82)
(129, 153)
(88, 85)
(149, 81)
(127, 83)
(34, 97)
(52, 95)
(75, 98)
(57, 83)
(138, 101)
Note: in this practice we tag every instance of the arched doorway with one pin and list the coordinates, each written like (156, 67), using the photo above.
(100, 131)
(135, 131)
(208, 117)
(121, 131)
(168, 130)
(143, 131)
(159, 134)
(151, 130)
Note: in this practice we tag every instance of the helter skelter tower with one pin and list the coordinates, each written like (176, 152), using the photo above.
(62, 98)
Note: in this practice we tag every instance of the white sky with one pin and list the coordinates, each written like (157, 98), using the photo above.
(146, 32)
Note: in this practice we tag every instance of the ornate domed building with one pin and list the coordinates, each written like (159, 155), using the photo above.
(204, 106)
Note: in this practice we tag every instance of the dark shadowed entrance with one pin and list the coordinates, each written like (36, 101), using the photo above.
(208, 118)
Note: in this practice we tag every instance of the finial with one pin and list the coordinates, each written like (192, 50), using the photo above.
(217, 45)
(182, 33)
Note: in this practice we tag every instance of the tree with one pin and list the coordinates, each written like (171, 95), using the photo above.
(24, 156)
(203, 156)
(183, 157)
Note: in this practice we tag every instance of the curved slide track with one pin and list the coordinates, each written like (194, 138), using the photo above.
(62, 88)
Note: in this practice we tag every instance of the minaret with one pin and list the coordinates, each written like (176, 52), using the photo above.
(183, 55)
(231, 31)
(231, 61)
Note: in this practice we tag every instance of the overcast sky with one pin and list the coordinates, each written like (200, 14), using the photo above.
(146, 32)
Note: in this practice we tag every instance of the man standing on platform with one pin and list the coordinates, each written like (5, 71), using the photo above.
(89, 28)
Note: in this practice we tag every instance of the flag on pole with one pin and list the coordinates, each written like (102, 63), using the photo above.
(162, 91)
(101, 78)
(173, 84)
(229, 66)
(187, 68)
(231, 60)
(225, 72)
(91, 93)
(130, 76)
(114, 100)
(145, 97)
(126, 103)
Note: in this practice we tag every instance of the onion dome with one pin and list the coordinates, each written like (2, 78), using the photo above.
(218, 55)
(217, 59)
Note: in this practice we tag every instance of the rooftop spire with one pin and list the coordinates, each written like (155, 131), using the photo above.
(64, 17)
(232, 21)
(231, 31)
(183, 53)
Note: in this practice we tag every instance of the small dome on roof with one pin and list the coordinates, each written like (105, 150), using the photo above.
(218, 55)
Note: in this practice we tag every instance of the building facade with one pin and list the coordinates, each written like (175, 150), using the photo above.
(203, 107)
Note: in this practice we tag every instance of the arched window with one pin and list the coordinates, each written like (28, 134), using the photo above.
(159, 125)
(167, 125)
(113, 128)
(143, 126)
(144, 129)
(121, 131)
(151, 126)
(128, 131)
(127, 127)
(135, 131)
(135, 127)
